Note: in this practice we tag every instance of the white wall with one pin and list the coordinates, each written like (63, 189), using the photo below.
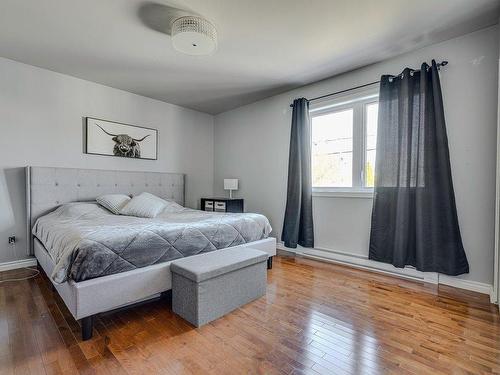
(496, 274)
(41, 124)
(251, 143)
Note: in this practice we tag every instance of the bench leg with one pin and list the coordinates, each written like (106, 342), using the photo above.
(87, 327)
(269, 263)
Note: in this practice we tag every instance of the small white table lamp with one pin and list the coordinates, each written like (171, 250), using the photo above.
(230, 184)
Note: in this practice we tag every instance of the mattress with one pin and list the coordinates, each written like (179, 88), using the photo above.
(86, 241)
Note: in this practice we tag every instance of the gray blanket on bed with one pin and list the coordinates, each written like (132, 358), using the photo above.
(87, 241)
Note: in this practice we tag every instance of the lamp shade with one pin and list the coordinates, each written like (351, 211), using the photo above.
(230, 184)
(194, 36)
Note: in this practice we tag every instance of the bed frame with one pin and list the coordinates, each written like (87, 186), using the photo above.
(48, 188)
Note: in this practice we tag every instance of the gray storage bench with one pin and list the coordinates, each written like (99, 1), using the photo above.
(207, 286)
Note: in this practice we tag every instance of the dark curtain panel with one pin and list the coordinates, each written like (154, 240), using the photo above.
(298, 223)
(414, 218)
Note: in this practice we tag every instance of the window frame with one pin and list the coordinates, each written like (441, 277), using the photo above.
(358, 101)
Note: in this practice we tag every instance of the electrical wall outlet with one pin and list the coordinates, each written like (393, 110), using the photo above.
(12, 240)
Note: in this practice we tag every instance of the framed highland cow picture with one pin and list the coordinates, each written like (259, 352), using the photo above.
(116, 139)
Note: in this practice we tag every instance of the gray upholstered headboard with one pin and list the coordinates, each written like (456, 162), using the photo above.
(47, 188)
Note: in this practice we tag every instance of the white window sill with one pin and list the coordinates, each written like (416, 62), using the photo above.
(342, 193)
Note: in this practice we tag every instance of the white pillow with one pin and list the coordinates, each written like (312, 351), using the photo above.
(113, 202)
(144, 205)
(170, 206)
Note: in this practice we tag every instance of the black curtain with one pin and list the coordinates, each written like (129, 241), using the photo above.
(414, 217)
(298, 223)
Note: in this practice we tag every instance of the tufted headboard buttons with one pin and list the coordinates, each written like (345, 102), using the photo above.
(47, 188)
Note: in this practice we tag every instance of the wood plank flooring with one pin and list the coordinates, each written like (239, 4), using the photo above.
(316, 318)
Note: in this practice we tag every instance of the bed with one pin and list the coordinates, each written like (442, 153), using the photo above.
(62, 198)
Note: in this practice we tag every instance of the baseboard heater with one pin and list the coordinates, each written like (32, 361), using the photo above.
(362, 262)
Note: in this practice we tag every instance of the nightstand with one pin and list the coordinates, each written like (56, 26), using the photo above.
(222, 204)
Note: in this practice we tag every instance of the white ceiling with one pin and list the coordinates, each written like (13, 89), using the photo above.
(265, 46)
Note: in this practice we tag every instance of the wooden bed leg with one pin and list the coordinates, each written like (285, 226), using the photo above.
(269, 263)
(87, 327)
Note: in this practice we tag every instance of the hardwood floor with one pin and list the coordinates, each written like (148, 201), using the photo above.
(316, 318)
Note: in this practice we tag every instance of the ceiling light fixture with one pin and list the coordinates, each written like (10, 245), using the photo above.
(194, 36)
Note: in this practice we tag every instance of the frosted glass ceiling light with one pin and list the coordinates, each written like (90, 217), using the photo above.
(194, 36)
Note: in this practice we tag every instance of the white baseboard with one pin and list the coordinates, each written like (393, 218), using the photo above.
(474, 286)
(362, 262)
(30, 262)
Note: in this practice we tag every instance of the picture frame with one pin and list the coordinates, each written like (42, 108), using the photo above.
(111, 138)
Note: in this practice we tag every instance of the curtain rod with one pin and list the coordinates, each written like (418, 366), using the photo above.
(439, 65)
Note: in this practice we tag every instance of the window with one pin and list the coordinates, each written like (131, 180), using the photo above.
(344, 140)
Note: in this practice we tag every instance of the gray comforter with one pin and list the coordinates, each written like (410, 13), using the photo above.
(87, 241)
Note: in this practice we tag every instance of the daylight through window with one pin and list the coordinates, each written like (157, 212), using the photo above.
(344, 140)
